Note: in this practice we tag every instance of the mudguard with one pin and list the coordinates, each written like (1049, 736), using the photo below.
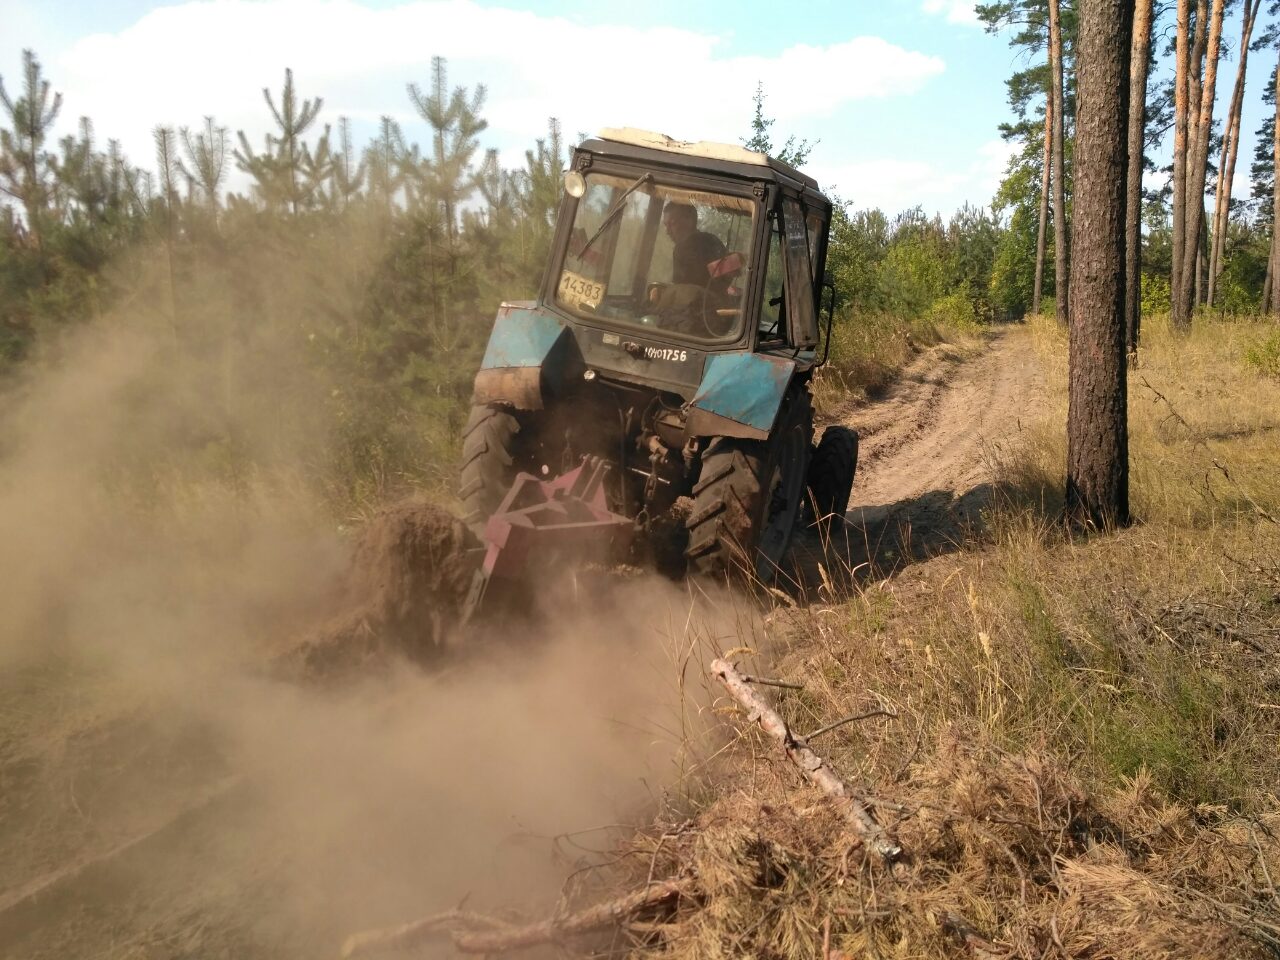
(525, 349)
(739, 396)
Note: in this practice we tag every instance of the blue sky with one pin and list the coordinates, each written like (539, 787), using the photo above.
(904, 95)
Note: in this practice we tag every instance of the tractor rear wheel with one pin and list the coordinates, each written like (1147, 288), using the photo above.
(831, 472)
(748, 497)
(488, 462)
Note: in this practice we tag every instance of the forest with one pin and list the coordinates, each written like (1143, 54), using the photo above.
(380, 264)
(1017, 696)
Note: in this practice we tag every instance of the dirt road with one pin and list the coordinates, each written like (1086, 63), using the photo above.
(929, 452)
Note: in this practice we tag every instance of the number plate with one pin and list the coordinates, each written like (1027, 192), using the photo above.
(576, 291)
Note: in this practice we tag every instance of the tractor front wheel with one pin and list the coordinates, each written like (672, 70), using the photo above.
(748, 497)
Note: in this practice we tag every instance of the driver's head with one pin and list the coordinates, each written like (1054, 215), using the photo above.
(679, 219)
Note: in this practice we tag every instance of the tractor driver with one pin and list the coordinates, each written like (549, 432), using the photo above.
(694, 249)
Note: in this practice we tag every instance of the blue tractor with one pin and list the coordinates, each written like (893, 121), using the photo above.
(656, 394)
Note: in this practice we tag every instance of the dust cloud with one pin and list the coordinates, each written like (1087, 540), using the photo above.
(166, 790)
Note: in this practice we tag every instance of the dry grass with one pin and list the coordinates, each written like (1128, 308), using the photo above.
(1086, 746)
(868, 352)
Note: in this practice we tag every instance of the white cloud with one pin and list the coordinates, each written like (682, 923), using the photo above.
(178, 63)
(956, 11)
(895, 184)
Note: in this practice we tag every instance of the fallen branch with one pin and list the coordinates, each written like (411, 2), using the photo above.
(813, 767)
(767, 682)
(476, 933)
(415, 933)
(609, 913)
(836, 725)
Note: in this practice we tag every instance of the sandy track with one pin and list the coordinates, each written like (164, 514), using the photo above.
(937, 426)
(928, 453)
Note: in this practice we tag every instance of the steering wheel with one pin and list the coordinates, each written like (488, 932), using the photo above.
(720, 321)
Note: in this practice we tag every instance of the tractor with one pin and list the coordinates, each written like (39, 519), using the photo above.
(656, 394)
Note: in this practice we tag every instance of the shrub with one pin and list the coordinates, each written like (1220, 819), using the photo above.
(1264, 354)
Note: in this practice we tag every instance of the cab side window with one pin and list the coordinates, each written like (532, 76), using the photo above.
(771, 325)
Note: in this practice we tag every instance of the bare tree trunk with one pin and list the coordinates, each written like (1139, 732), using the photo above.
(1097, 424)
(1061, 254)
(1196, 166)
(1275, 200)
(1230, 147)
(1044, 205)
(1180, 111)
(1266, 281)
(1139, 57)
(1196, 301)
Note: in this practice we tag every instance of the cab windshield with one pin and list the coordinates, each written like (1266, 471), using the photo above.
(658, 256)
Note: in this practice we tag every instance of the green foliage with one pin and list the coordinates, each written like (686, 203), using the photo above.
(907, 265)
(956, 309)
(1155, 293)
(790, 152)
(1013, 269)
(333, 317)
(1264, 354)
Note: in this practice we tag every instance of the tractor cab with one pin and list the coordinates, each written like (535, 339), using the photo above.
(686, 249)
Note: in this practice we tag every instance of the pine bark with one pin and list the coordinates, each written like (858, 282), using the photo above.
(1097, 429)
(1266, 281)
(1230, 148)
(1061, 252)
(1196, 167)
(1275, 201)
(1042, 231)
(1179, 183)
(1139, 59)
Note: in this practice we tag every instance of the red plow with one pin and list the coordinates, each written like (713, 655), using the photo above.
(544, 524)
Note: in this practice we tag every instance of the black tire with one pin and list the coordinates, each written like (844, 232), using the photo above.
(748, 498)
(488, 463)
(831, 472)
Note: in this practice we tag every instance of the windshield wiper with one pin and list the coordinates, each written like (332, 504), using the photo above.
(613, 212)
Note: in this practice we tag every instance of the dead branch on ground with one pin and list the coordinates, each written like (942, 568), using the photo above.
(476, 933)
(813, 767)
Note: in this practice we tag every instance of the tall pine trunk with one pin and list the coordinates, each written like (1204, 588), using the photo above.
(1097, 427)
(1230, 148)
(1061, 251)
(1266, 281)
(1139, 58)
(1196, 168)
(1044, 205)
(1181, 60)
(1275, 201)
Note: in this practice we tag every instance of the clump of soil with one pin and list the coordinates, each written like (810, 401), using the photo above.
(404, 592)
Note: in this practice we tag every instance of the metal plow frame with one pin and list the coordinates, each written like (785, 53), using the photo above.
(544, 521)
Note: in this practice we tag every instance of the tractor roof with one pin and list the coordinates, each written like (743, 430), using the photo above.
(703, 154)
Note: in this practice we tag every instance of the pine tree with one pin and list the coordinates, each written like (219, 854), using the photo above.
(454, 117)
(207, 156)
(1139, 62)
(347, 175)
(169, 167)
(791, 152)
(1202, 73)
(382, 162)
(25, 168)
(277, 171)
(1097, 426)
(1230, 150)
